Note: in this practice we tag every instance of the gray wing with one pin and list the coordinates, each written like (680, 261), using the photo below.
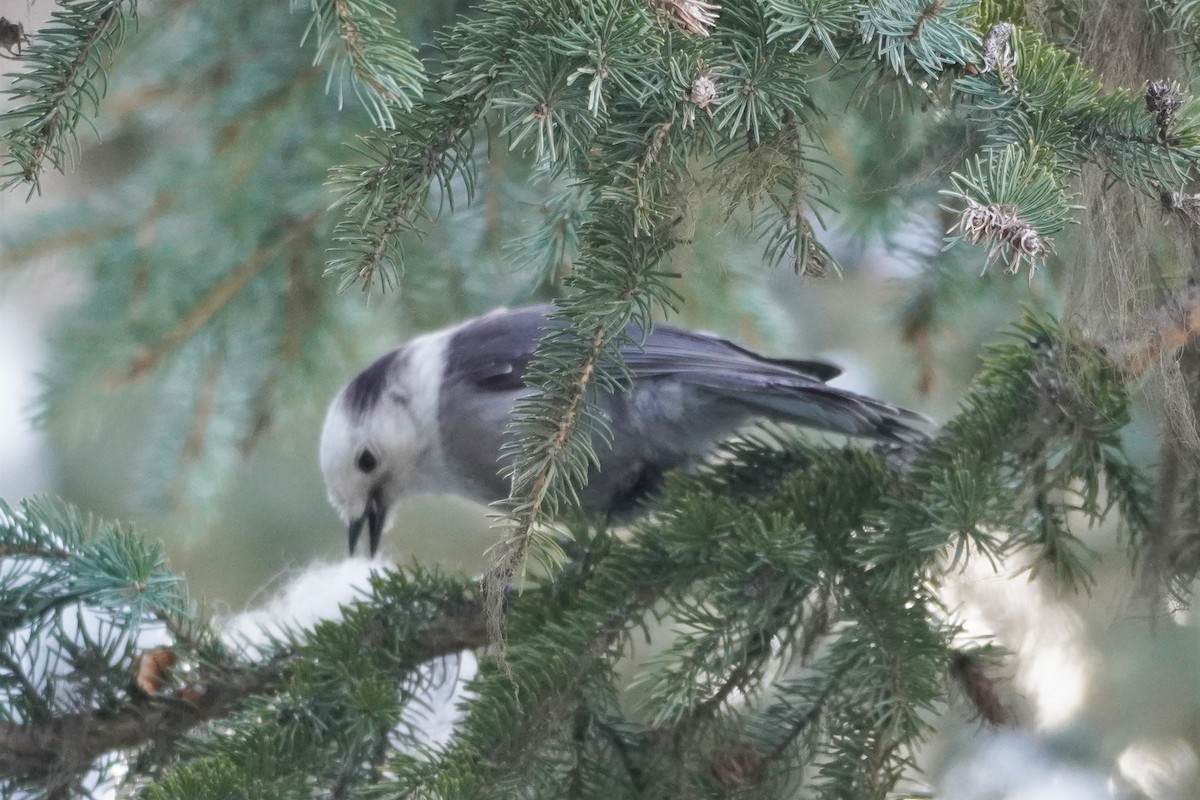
(491, 354)
(670, 351)
(689, 390)
(494, 351)
(482, 380)
(786, 390)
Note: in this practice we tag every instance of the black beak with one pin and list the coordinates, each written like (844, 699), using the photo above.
(373, 518)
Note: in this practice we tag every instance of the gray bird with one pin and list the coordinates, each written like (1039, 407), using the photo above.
(430, 417)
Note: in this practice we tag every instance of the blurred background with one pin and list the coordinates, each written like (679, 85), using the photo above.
(168, 345)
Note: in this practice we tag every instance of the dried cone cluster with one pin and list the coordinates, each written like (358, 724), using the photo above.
(695, 15)
(704, 90)
(1004, 230)
(998, 52)
(12, 36)
(1163, 102)
(1181, 203)
(736, 767)
(153, 668)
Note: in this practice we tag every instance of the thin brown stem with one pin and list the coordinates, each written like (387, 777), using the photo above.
(33, 550)
(1163, 330)
(218, 297)
(511, 551)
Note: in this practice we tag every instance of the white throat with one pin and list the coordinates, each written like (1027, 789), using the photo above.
(425, 367)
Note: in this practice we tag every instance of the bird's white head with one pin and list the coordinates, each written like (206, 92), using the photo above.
(378, 432)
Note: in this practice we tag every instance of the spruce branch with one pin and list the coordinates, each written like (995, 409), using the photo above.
(618, 52)
(385, 73)
(780, 180)
(73, 239)
(532, 486)
(1036, 439)
(634, 576)
(64, 80)
(766, 90)
(1013, 202)
(1051, 105)
(803, 723)
(553, 246)
(385, 197)
(1179, 17)
(697, 16)
(555, 432)
(346, 684)
(74, 593)
(931, 35)
(57, 751)
(734, 558)
(211, 304)
(57, 747)
(829, 23)
(743, 567)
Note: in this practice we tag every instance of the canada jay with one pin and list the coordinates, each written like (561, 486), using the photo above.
(431, 416)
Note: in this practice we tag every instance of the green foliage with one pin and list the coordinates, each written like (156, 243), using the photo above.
(386, 195)
(1181, 17)
(64, 83)
(826, 23)
(75, 595)
(791, 588)
(1049, 118)
(1015, 200)
(931, 35)
(350, 694)
(1057, 107)
(359, 37)
(1000, 467)
(238, 317)
(837, 600)
(595, 98)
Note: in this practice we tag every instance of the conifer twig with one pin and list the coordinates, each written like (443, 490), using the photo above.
(300, 303)
(57, 88)
(63, 747)
(211, 304)
(73, 239)
(512, 550)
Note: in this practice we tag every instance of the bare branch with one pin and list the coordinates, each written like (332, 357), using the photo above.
(1165, 328)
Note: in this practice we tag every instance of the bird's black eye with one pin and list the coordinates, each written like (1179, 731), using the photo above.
(367, 461)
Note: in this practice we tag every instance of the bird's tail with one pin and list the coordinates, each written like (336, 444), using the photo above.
(831, 409)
